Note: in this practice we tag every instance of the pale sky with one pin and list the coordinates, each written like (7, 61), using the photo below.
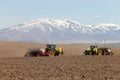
(86, 12)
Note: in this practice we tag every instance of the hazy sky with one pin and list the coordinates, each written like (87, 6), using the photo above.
(85, 11)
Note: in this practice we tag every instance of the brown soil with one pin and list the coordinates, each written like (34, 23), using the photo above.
(18, 49)
(72, 66)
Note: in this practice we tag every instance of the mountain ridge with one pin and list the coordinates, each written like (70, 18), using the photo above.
(60, 31)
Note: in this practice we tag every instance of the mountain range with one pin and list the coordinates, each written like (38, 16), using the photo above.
(46, 30)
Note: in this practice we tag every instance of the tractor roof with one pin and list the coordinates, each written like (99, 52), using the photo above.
(50, 45)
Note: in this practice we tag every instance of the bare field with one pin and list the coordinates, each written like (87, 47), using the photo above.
(72, 66)
(18, 49)
(61, 68)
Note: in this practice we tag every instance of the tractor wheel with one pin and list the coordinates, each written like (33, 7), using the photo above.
(57, 53)
(60, 54)
(52, 53)
(90, 53)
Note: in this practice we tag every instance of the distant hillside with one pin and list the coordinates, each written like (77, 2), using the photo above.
(61, 31)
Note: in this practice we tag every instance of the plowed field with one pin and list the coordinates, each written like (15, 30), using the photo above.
(72, 66)
(61, 68)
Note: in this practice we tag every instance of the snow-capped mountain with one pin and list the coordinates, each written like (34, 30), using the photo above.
(60, 31)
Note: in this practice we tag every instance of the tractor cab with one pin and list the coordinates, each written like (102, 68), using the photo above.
(50, 47)
(93, 46)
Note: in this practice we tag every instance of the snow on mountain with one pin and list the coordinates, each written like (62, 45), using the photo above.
(60, 31)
